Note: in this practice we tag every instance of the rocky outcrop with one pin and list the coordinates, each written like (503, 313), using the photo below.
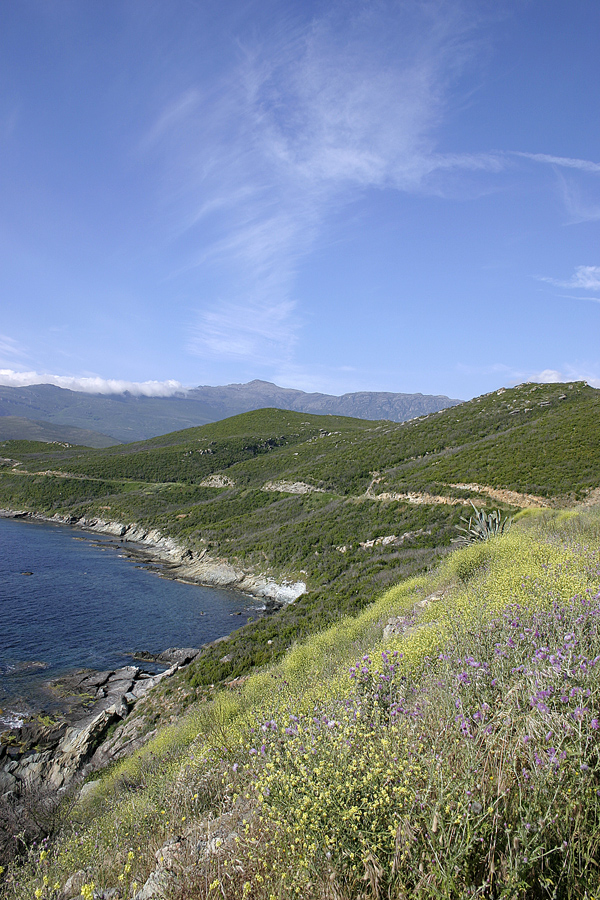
(217, 481)
(36, 755)
(180, 655)
(292, 487)
(401, 626)
(189, 854)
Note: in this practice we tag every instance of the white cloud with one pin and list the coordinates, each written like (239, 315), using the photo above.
(92, 384)
(585, 278)
(571, 373)
(583, 165)
(548, 376)
(511, 375)
(9, 348)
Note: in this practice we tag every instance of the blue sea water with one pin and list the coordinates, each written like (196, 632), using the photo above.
(86, 605)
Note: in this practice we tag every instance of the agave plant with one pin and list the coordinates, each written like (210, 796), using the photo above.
(482, 526)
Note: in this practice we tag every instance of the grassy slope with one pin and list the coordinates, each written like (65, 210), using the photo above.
(541, 439)
(466, 765)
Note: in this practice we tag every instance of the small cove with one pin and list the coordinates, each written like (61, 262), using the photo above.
(87, 605)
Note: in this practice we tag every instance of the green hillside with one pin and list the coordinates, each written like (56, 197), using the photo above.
(534, 439)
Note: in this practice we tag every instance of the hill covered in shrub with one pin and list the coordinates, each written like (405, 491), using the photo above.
(345, 505)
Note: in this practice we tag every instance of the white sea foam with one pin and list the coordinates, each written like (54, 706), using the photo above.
(10, 719)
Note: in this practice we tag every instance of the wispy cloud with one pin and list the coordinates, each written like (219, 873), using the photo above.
(11, 350)
(586, 278)
(253, 331)
(315, 112)
(583, 165)
(578, 193)
(91, 384)
(580, 200)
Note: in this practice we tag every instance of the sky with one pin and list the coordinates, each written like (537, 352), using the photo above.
(334, 196)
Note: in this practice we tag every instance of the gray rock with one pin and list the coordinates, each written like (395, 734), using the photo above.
(8, 782)
(143, 685)
(88, 790)
(156, 887)
(78, 745)
(32, 772)
(397, 625)
(180, 655)
(73, 885)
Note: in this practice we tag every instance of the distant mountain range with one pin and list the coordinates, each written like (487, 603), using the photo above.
(45, 412)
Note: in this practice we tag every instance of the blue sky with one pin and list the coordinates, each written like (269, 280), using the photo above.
(334, 196)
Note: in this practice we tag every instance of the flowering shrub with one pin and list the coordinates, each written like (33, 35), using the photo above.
(479, 774)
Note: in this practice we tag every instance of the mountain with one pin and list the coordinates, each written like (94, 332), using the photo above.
(126, 417)
(232, 399)
(17, 428)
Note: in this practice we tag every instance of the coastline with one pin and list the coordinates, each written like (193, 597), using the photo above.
(96, 717)
(177, 562)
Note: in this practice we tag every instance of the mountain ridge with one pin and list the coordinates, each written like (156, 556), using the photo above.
(127, 418)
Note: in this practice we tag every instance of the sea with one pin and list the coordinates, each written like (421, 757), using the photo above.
(72, 600)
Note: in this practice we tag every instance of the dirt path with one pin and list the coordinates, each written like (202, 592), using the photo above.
(513, 498)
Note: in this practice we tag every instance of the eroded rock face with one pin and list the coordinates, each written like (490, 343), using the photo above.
(53, 755)
(78, 745)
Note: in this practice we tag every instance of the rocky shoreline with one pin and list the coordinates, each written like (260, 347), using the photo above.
(112, 714)
(101, 721)
(176, 561)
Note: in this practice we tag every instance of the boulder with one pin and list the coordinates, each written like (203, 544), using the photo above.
(156, 887)
(78, 744)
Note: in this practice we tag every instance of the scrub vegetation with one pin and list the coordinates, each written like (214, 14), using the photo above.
(458, 758)
(382, 499)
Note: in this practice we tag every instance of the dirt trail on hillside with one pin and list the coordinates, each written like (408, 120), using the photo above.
(417, 497)
(513, 498)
